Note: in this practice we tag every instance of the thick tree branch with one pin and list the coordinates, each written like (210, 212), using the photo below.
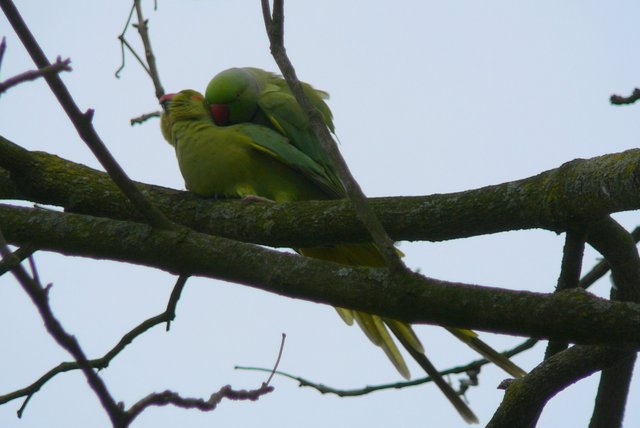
(82, 121)
(275, 30)
(573, 316)
(569, 275)
(619, 248)
(580, 190)
(525, 398)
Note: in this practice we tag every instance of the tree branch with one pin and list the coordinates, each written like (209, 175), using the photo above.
(143, 30)
(525, 398)
(549, 200)
(473, 366)
(621, 100)
(82, 121)
(569, 275)
(40, 299)
(619, 248)
(573, 316)
(275, 30)
(168, 397)
(57, 67)
(103, 362)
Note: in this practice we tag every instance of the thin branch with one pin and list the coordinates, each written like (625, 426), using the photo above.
(275, 366)
(570, 269)
(122, 44)
(275, 30)
(171, 398)
(471, 367)
(57, 67)
(68, 342)
(144, 117)
(621, 100)
(104, 361)
(3, 48)
(146, 42)
(18, 256)
(82, 121)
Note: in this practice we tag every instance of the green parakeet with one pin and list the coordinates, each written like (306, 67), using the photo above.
(248, 159)
(239, 95)
(254, 95)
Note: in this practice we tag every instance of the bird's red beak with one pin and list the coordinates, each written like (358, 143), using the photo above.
(166, 97)
(220, 114)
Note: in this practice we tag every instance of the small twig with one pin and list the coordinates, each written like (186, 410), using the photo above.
(620, 100)
(40, 299)
(171, 398)
(275, 366)
(570, 269)
(57, 67)
(144, 117)
(471, 367)
(18, 256)
(170, 312)
(123, 41)
(275, 30)
(3, 48)
(104, 361)
(146, 42)
(82, 122)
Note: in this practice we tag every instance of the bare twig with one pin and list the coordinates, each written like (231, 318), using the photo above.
(275, 30)
(82, 121)
(621, 100)
(471, 367)
(171, 398)
(104, 361)
(146, 42)
(569, 275)
(144, 117)
(40, 299)
(275, 366)
(3, 48)
(57, 67)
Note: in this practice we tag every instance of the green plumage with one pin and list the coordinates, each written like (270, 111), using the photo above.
(247, 159)
(264, 98)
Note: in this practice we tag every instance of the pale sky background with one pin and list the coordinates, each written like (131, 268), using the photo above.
(428, 97)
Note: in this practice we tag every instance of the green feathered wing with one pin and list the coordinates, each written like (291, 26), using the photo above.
(248, 159)
(258, 96)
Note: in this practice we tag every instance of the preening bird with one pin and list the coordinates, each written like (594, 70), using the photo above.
(250, 159)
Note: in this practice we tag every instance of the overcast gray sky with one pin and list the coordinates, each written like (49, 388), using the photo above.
(428, 97)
